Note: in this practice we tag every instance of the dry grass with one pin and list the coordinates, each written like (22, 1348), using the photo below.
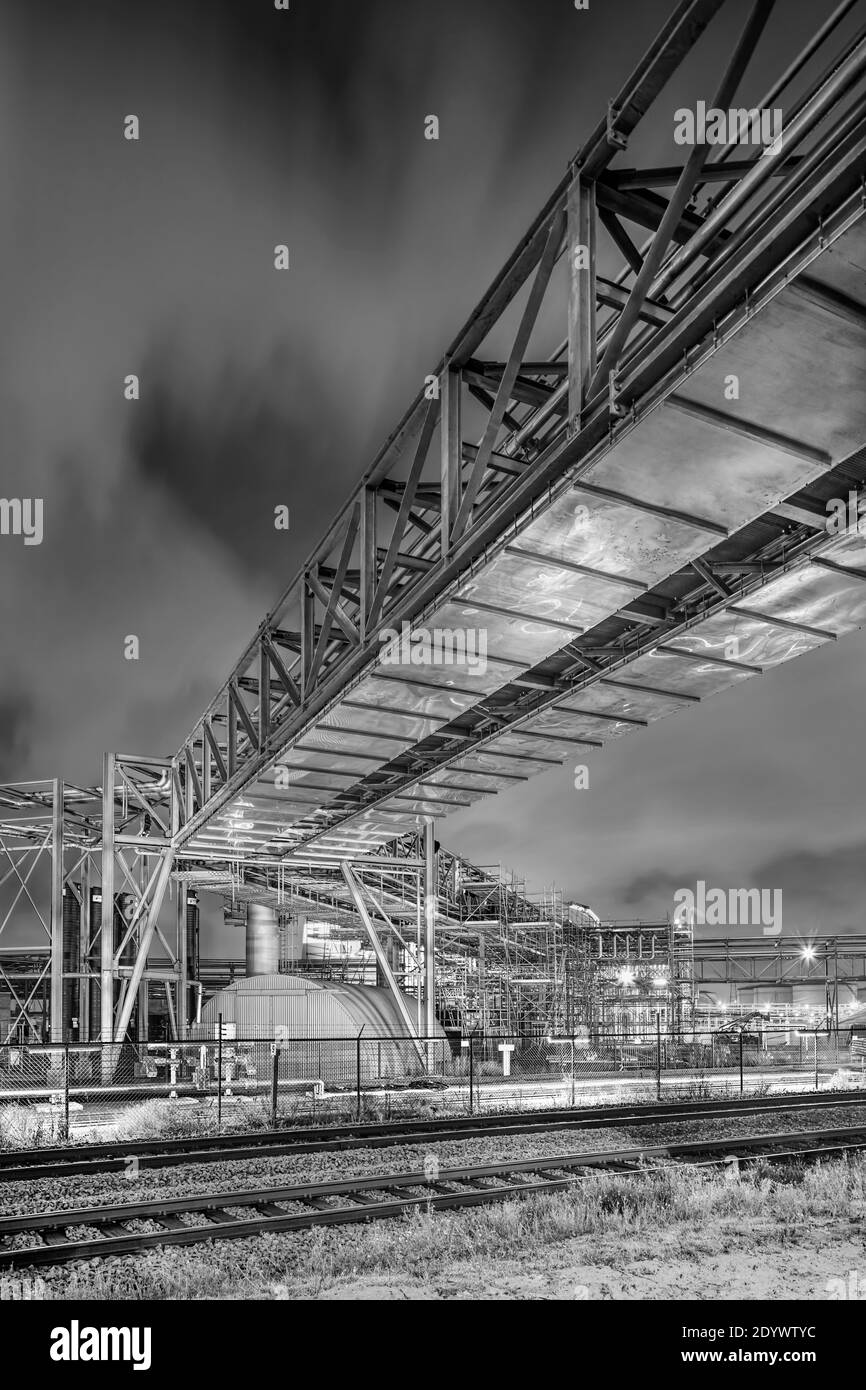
(23, 1127)
(688, 1206)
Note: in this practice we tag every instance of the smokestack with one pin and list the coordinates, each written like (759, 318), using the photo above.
(263, 940)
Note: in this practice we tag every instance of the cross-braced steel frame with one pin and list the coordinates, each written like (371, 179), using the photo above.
(500, 432)
(627, 282)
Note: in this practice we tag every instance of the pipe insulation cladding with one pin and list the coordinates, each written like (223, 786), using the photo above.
(263, 940)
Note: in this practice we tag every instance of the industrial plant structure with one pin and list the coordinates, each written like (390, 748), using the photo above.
(632, 537)
(505, 960)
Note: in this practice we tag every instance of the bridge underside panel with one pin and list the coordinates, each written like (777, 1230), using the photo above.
(817, 597)
(760, 419)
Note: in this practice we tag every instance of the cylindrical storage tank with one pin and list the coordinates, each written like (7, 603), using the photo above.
(318, 1024)
(71, 946)
(263, 940)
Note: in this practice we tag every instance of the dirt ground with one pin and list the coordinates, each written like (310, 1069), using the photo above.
(733, 1264)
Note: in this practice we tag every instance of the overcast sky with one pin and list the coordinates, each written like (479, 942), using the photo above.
(156, 257)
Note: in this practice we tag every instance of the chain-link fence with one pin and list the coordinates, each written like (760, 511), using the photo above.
(48, 1092)
(604, 1068)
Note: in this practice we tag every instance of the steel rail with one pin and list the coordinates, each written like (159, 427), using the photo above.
(115, 1156)
(378, 1196)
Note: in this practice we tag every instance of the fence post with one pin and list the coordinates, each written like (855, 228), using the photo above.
(471, 1075)
(816, 1059)
(741, 1061)
(572, 1071)
(358, 1074)
(658, 1055)
(66, 1091)
(275, 1084)
(220, 1072)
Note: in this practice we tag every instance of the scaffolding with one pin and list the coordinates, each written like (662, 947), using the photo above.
(502, 959)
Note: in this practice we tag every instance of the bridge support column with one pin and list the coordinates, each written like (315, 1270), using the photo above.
(430, 901)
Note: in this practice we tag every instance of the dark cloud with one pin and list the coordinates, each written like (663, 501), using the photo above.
(16, 731)
(307, 128)
(232, 447)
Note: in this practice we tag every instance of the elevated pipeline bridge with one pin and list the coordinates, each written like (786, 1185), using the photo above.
(580, 487)
(618, 472)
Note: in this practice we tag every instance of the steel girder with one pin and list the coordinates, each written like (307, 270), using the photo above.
(516, 427)
(784, 961)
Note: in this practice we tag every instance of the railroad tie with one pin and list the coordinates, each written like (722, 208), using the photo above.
(55, 1237)
(113, 1229)
(269, 1209)
(172, 1222)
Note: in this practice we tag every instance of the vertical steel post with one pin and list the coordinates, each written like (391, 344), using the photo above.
(66, 1091)
(59, 1024)
(358, 1075)
(183, 999)
(471, 1074)
(106, 938)
(182, 962)
(264, 695)
(429, 929)
(220, 1072)
(275, 1081)
(741, 1061)
(143, 1018)
(658, 1055)
(84, 961)
(816, 1059)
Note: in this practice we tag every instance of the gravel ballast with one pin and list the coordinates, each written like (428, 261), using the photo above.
(101, 1189)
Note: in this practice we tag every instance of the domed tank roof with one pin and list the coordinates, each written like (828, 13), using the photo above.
(304, 1007)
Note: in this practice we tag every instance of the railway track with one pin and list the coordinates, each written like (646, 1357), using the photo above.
(57, 1235)
(23, 1164)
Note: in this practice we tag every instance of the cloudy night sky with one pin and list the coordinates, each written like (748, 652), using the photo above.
(259, 388)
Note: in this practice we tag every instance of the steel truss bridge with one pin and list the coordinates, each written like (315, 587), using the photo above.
(581, 481)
